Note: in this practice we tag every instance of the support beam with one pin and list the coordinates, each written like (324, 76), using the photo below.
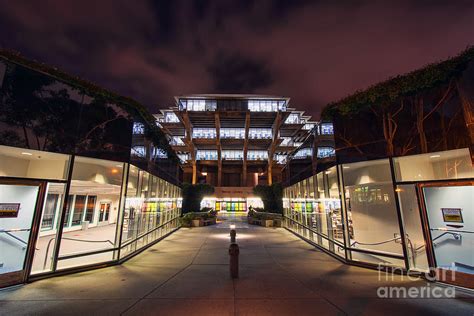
(271, 151)
(219, 148)
(188, 141)
(246, 145)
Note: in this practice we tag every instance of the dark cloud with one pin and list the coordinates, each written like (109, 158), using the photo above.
(233, 73)
(312, 51)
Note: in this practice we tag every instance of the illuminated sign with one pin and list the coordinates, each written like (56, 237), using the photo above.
(452, 215)
(9, 209)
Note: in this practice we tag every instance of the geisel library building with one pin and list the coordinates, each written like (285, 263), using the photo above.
(384, 180)
(235, 142)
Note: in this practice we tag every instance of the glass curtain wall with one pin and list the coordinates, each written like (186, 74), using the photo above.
(152, 208)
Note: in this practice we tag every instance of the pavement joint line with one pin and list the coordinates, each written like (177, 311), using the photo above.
(302, 283)
(166, 281)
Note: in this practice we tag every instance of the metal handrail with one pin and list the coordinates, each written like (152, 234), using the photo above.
(376, 243)
(8, 233)
(73, 239)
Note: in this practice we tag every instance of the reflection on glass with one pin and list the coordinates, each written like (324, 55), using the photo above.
(452, 164)
(371, 208)
(44, 248)
(99, 182)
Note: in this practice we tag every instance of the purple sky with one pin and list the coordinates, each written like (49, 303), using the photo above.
(314, 52)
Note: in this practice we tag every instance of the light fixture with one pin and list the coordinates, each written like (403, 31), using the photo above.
(27, 153)
(204, 173)
(346, 167)
(232, 226)
(398, 190)
(120, 166)
(435, 156)
(114, 170)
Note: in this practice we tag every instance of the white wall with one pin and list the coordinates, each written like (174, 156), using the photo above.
(12, 254)
(448, 249)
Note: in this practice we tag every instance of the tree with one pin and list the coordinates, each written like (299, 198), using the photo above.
(272, 197)
(193, 195)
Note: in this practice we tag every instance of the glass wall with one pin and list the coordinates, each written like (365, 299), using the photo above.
(152, 208)
(232, 155)
(204, 133)
(266, 105)
(238, 133)
(257, 155)
(206, 155)
(260, 133)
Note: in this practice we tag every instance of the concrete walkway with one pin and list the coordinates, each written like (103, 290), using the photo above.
(187, 274)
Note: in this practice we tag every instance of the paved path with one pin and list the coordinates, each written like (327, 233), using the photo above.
(187, 274)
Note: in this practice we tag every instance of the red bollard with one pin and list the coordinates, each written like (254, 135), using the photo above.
(234, 261)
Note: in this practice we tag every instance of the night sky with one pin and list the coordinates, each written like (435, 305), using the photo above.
(314, 52)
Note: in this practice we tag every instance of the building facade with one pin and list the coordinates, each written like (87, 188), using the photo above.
(235, 142)
(400, 192)
(87, 178)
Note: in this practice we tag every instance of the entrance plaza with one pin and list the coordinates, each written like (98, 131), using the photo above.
(188, 274)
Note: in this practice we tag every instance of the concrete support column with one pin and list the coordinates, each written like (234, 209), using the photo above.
(219, 171)
(194, 172)
(269, 173)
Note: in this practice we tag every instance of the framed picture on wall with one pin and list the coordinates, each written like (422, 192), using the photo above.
(452, 215)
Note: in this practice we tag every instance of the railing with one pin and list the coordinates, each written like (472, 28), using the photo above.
(73, 239)
(10, 231)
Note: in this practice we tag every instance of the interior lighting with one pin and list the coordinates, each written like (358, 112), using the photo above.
(27, 154)
(204, 173)
(435, 156)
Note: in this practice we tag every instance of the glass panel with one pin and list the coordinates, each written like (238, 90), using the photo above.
(17, 207)
(27, 163)
(371, 208)
(103, 180)
(451, 219)
(452, 164)
(90, 209)
(44, 249)
(415, 240)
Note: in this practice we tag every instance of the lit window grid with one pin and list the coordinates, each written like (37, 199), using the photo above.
(303, 153)
(206, 155)
(159, 153)
(138, 128)
(232, 155)
(183, 157)
(308, 126)
(138, 151)
(207, 133)
(266, 105)
(198, 105)
(325, 152)
(176, 140)
(286, 141)
(281, 159)
(237, 133)
(257, 155)
(326, 129)
(170, 117)
(260, 133)
(293, 119)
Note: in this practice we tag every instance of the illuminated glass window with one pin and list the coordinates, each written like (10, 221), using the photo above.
(257, 155)
(238, 133)
(280, 158)
(170, 117)
(177, 141)
(232, 155)
(206, 155)
(326, 129)
(308, 126)
(204, 133)
(139, 151)
(198, 105)
(266, 105)
(159, 153)
(138, 128)
(325, 152)
(260, 133)
(303, 153)
(286, 141)
(293, 119)
(183, 157)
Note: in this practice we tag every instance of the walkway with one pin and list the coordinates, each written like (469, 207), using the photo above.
(187, 274)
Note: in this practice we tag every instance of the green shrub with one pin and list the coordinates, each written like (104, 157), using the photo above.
(193, 195)
(272, 197)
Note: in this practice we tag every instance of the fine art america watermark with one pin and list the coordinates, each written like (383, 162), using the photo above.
(420, 291)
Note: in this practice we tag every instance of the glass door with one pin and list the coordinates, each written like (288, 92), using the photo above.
(18, 204)
(104, 212)
(450, 214)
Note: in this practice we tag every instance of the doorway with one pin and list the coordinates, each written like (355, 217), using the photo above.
(449, 209)
(19, 204)
(104, 212)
